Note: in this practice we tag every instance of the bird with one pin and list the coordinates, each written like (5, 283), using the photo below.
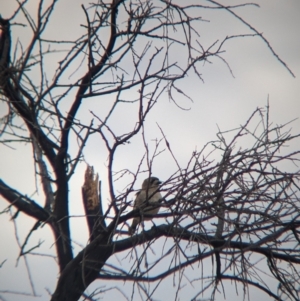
(148, 194)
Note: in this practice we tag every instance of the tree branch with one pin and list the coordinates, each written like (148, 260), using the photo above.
(23, 203)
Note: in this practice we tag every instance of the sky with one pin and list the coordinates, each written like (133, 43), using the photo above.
(222, 101)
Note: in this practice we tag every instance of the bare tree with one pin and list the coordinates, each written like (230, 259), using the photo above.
(240, 212)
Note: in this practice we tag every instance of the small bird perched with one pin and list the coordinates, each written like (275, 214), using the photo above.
(148, 194)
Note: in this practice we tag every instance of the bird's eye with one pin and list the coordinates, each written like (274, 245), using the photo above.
(154, 180)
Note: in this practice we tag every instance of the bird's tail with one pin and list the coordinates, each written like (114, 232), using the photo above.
(133, 226)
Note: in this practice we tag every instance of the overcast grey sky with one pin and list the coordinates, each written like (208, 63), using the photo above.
(220, 101)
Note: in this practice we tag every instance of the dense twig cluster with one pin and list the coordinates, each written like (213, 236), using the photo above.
(243, 209)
